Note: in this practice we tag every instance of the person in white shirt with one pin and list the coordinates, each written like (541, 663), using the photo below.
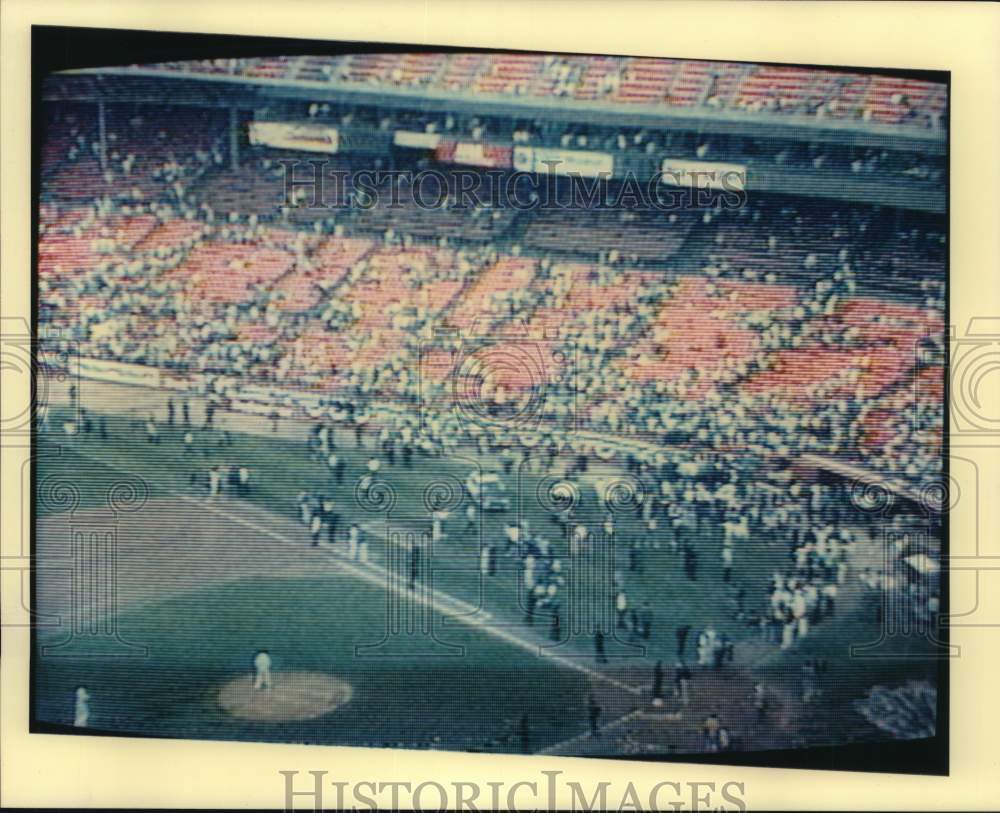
(529, 572)
(305, 510)
(365, 484)
(437, 525)
(262, 670)
(357, 544)
(214, 481)
(81, 712)
(362, 548)
(727, 562)
(799, 613)
(513, 533)
(621, 606)
(787, 634)
(609, 525)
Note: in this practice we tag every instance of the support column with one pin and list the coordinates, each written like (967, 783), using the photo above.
(102, 136)
(234, 144)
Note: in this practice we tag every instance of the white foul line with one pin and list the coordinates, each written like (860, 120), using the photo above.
(602, 730)
(380, 577)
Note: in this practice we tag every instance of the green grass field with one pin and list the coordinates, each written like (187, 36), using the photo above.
(199, 639)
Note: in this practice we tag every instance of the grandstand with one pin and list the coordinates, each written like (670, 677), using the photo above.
(663, 398)
(632, 80)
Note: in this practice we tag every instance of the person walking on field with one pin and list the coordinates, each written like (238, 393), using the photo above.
(262, 670)
(682, 634)
(214, 481)
(646, 621)
(599, 655)
(336, 467)
(81, 711)
(555, 630)
(658, 684)
(710, 732)
(357, 544)
(691, 563)
(331, 518)
(363, 548)
(682, 679)
(594, 713)
(414, 554)
(525, 734)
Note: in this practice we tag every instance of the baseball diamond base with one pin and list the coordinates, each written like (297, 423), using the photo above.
(291, 696)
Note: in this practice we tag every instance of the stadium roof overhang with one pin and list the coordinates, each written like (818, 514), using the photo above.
(147, 85)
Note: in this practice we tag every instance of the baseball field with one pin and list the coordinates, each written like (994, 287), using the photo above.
(164, 619)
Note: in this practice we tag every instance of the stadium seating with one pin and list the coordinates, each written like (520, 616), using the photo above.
(693, 341)
(775, 305)
(643, 235)
(433, 211)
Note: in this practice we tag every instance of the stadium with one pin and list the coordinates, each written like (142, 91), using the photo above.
(498, 402)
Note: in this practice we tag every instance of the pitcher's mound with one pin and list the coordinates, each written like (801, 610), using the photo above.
(291, 696)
